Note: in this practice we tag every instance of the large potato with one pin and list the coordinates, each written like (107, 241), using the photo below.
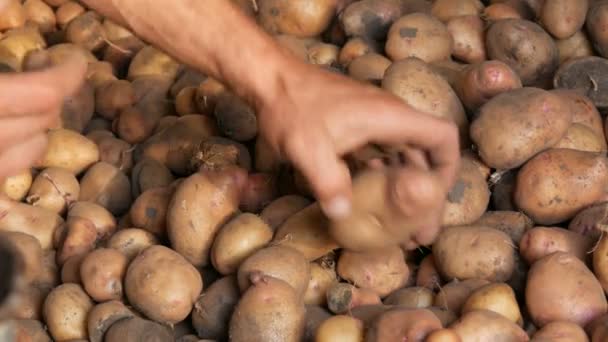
(556, 184)
(561, 288)
(516, 125)
(490, 253)
(416, 83)
(525, 47)
(162, 284)
(412, 34)
(563, 18)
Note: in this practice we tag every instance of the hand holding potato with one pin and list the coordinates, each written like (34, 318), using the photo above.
(30, 103)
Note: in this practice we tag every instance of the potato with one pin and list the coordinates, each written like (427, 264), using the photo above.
(453, 295)
(578, 45)
(235, 118)
(300, 18)
(38, 222)
(165, 300)
(259, 190)
(207, 94)
(526, 111)
(79, 237)
(484, 325)
(541, 241)
(560, 331)
(70, 270)
(469, 197)
(409, 36)
(340, 328)
(369, 67)
(596, 17)
(549, 186)
(16, 187)
(525, 47)
(499, 11)
(381, 271)
(342, 297)
(417, 84)
(280, 262)
(427, 274)
(584, 75)
(213, 309)
(270, 310)
(13, 15)
(445, 10)
(147, 174)
(551, 296)
(132, 241)
(17, 43)
(315, 316)
(138, 329)
(107, 186)
(101, 218)
(251, 234)
(279, 210)
(99, 73)
(69, 150)
(411, 297)
(591, 221)
(403, 325)
(102, 272)
(322, 277)
(112, 97)
(116, 152)
(187, 77)
(150, 61)
(149, 210)
(581, 138)
(489, 253)
(323, 54)
(23, 330)
(553, 20)
(353, 48)
(307, 232)
(65, 312)
(41, 14)
(513, 223)
(27, 255)
(370, 19)
(103, 316)
(496, 297)
(184, 101)
(86, 30)
(191, 229)
(468, 38)
(67, 12)
(54, 189)
(480, 82)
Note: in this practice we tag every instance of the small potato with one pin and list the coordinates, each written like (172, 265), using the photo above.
(468, 38)
(150, 61)
(409, 36)
(54, 189)
(381, 271)
(513, 223)
(103, 316)
(279, 210)
(300, 18)
(251, 234)
(369, 19)
(322, 277)
(48, 277)
(353, 48)
(107, 186)
(525, 47)
(469, 197)
(342, 297)
(551, 296)
(235, 118)
(100, 217)
(132, 241)
(549, 186)
(112, 97)
(207, 94)
(138, 329)
(78, 109)
(526, 112)
(411, 298)
(489, 253)
(69, 150)
(270, 310)
(563, 18)
(578, 45)
(65, 312)
(280, 262)
(161, 298)
(496, 297)
(16, 187)
(445, 10)
(147, 174)
(340, 328)
(369, 67)
(560, 331)
(542, 241)
(102, 272)
(213, 309)
(149, 210)
(484, 325)
(323, 54)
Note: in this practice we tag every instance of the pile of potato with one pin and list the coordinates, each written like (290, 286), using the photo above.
(157, 214)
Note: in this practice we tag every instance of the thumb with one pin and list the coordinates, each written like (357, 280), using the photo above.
(327, 174)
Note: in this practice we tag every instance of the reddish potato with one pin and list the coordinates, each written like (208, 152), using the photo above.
(542, 241)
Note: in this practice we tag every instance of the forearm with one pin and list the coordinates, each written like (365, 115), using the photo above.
(210, 35)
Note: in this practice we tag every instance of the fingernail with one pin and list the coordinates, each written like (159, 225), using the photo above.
(337, 208)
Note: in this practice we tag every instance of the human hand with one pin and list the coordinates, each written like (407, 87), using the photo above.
(314, 117)
(30, 103)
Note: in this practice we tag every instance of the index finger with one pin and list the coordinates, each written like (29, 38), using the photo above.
(36, 92)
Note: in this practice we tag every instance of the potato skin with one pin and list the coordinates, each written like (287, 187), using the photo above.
(65, 312)
(161, 298)
(484, 325)
(558, 183)
(516, 125)
(409, 36)
(563, 18)
(525, 47)
(270, 310)
(550, 296)
(490, 254)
